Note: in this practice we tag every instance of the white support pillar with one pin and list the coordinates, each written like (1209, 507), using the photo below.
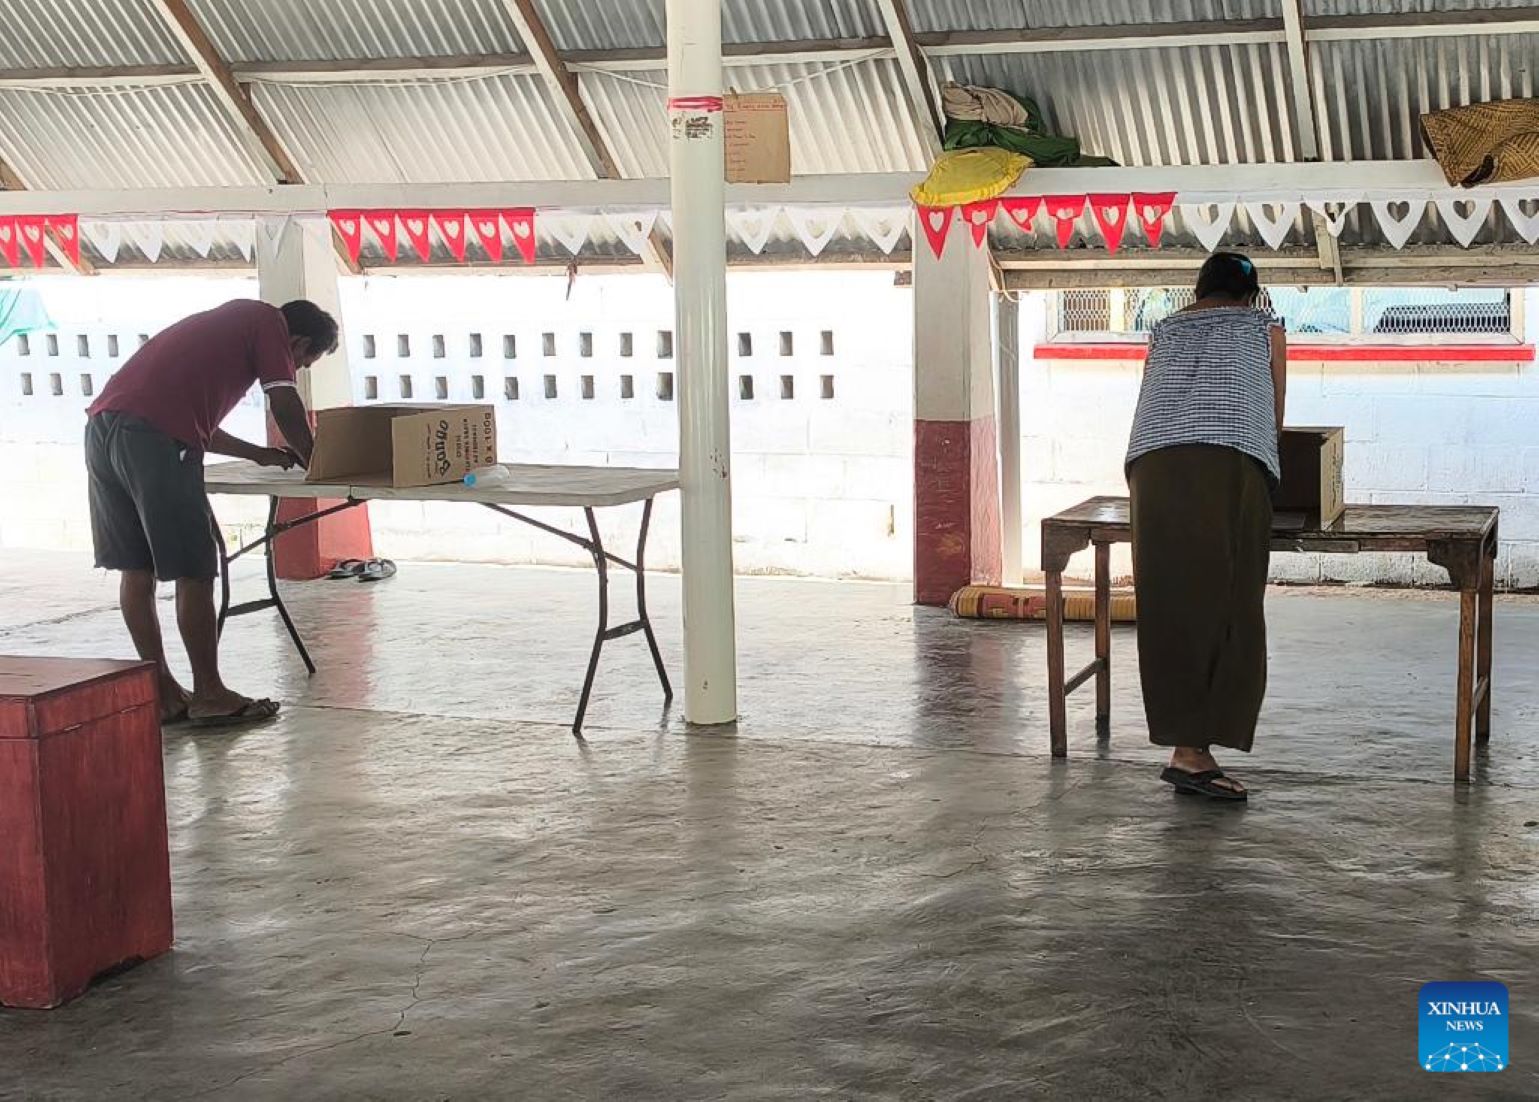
(697, 170)
(956, 454)
(1007, 381)
(298, 261)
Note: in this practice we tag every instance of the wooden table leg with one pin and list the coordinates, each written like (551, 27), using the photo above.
(1057, 702)
(1468, 602)
(1103, 640)
(1483, 643)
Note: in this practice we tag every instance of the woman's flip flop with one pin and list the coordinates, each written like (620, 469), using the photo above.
(1204, 783)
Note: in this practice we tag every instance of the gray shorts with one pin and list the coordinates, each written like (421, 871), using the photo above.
(149, 510)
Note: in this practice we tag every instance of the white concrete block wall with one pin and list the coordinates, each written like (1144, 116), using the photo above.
(1420, 433)
(821, 485)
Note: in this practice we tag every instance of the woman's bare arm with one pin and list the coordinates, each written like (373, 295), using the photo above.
(1280, 372)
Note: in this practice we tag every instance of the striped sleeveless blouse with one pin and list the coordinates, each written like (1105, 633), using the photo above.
(1208, 380)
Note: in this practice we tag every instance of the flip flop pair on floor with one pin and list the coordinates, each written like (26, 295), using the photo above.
(365, 570)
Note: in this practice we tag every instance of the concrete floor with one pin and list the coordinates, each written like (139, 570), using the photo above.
(416, 884)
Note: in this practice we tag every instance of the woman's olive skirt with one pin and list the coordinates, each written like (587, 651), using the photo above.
(1202, 523)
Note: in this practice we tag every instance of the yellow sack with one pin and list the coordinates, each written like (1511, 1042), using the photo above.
(970, 176)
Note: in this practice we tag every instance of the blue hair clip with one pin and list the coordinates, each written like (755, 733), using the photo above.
(1246, 266)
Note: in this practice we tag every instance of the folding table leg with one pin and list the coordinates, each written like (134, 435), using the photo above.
(1103, 640)
(601, 564)
(272, 586)
(641, 602)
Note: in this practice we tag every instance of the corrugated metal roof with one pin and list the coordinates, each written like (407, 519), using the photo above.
(147, 137)
(851, 118)
(638, 24)
(45, 34)
(295, 30)
(1154, 106)
(933, 16)
(499, 128)
(1192, 105)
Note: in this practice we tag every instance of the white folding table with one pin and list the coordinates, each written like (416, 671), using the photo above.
(585, 488)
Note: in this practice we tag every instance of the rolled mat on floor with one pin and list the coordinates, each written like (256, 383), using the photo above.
(995, 602)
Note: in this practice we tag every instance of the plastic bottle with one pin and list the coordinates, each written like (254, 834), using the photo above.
(488, 478)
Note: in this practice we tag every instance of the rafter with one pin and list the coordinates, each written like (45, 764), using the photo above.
(916, 73)
(567, 99)
(1306, 123)
(234, 100)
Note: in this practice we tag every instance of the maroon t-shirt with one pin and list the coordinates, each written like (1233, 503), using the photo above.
(189, 377)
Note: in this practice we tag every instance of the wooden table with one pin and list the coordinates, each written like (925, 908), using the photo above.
(527, 485)
(1460, 539)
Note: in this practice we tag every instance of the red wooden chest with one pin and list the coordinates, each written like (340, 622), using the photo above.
(85, 878)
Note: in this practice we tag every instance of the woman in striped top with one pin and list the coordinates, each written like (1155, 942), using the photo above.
(1201, 466)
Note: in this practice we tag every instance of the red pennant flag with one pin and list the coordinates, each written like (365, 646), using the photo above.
(349, 227)
(451, 227)
(66, 230)
(1152, 208)
(382, 222)
(1022, 211)
(978, 216)
(936, 223)
(1065, 210)
(488, 230)
(29, 228)
(10, 243)
(414, 224)
(1111, 214)
(520, 221)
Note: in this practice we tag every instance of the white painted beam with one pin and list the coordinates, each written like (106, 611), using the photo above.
(1194, 183)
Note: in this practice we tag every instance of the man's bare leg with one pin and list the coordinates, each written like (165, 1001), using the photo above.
(199, 624)
(136, 597)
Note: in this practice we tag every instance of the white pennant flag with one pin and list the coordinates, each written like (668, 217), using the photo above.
(1335, 210)
(633, 228)
(569, 229)
(150, 237)
(1463, 226)
(106, 238)
(242, 232)
(884, 227)
(1398, 230)
(1527, 225)
(1209, 231)
(815, 226)
(199, 236)
(753, 226)
(1274, 230)
(273, 229)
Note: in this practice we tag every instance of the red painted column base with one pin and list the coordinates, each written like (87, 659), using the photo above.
(312, 550)
(956, 508)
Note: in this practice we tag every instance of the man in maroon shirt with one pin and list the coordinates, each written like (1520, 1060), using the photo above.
(145, 443)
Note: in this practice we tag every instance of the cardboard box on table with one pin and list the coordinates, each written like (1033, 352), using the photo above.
(402, 444)
(1312, 482)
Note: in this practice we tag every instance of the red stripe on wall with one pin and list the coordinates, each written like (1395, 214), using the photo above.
(1319, 353)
